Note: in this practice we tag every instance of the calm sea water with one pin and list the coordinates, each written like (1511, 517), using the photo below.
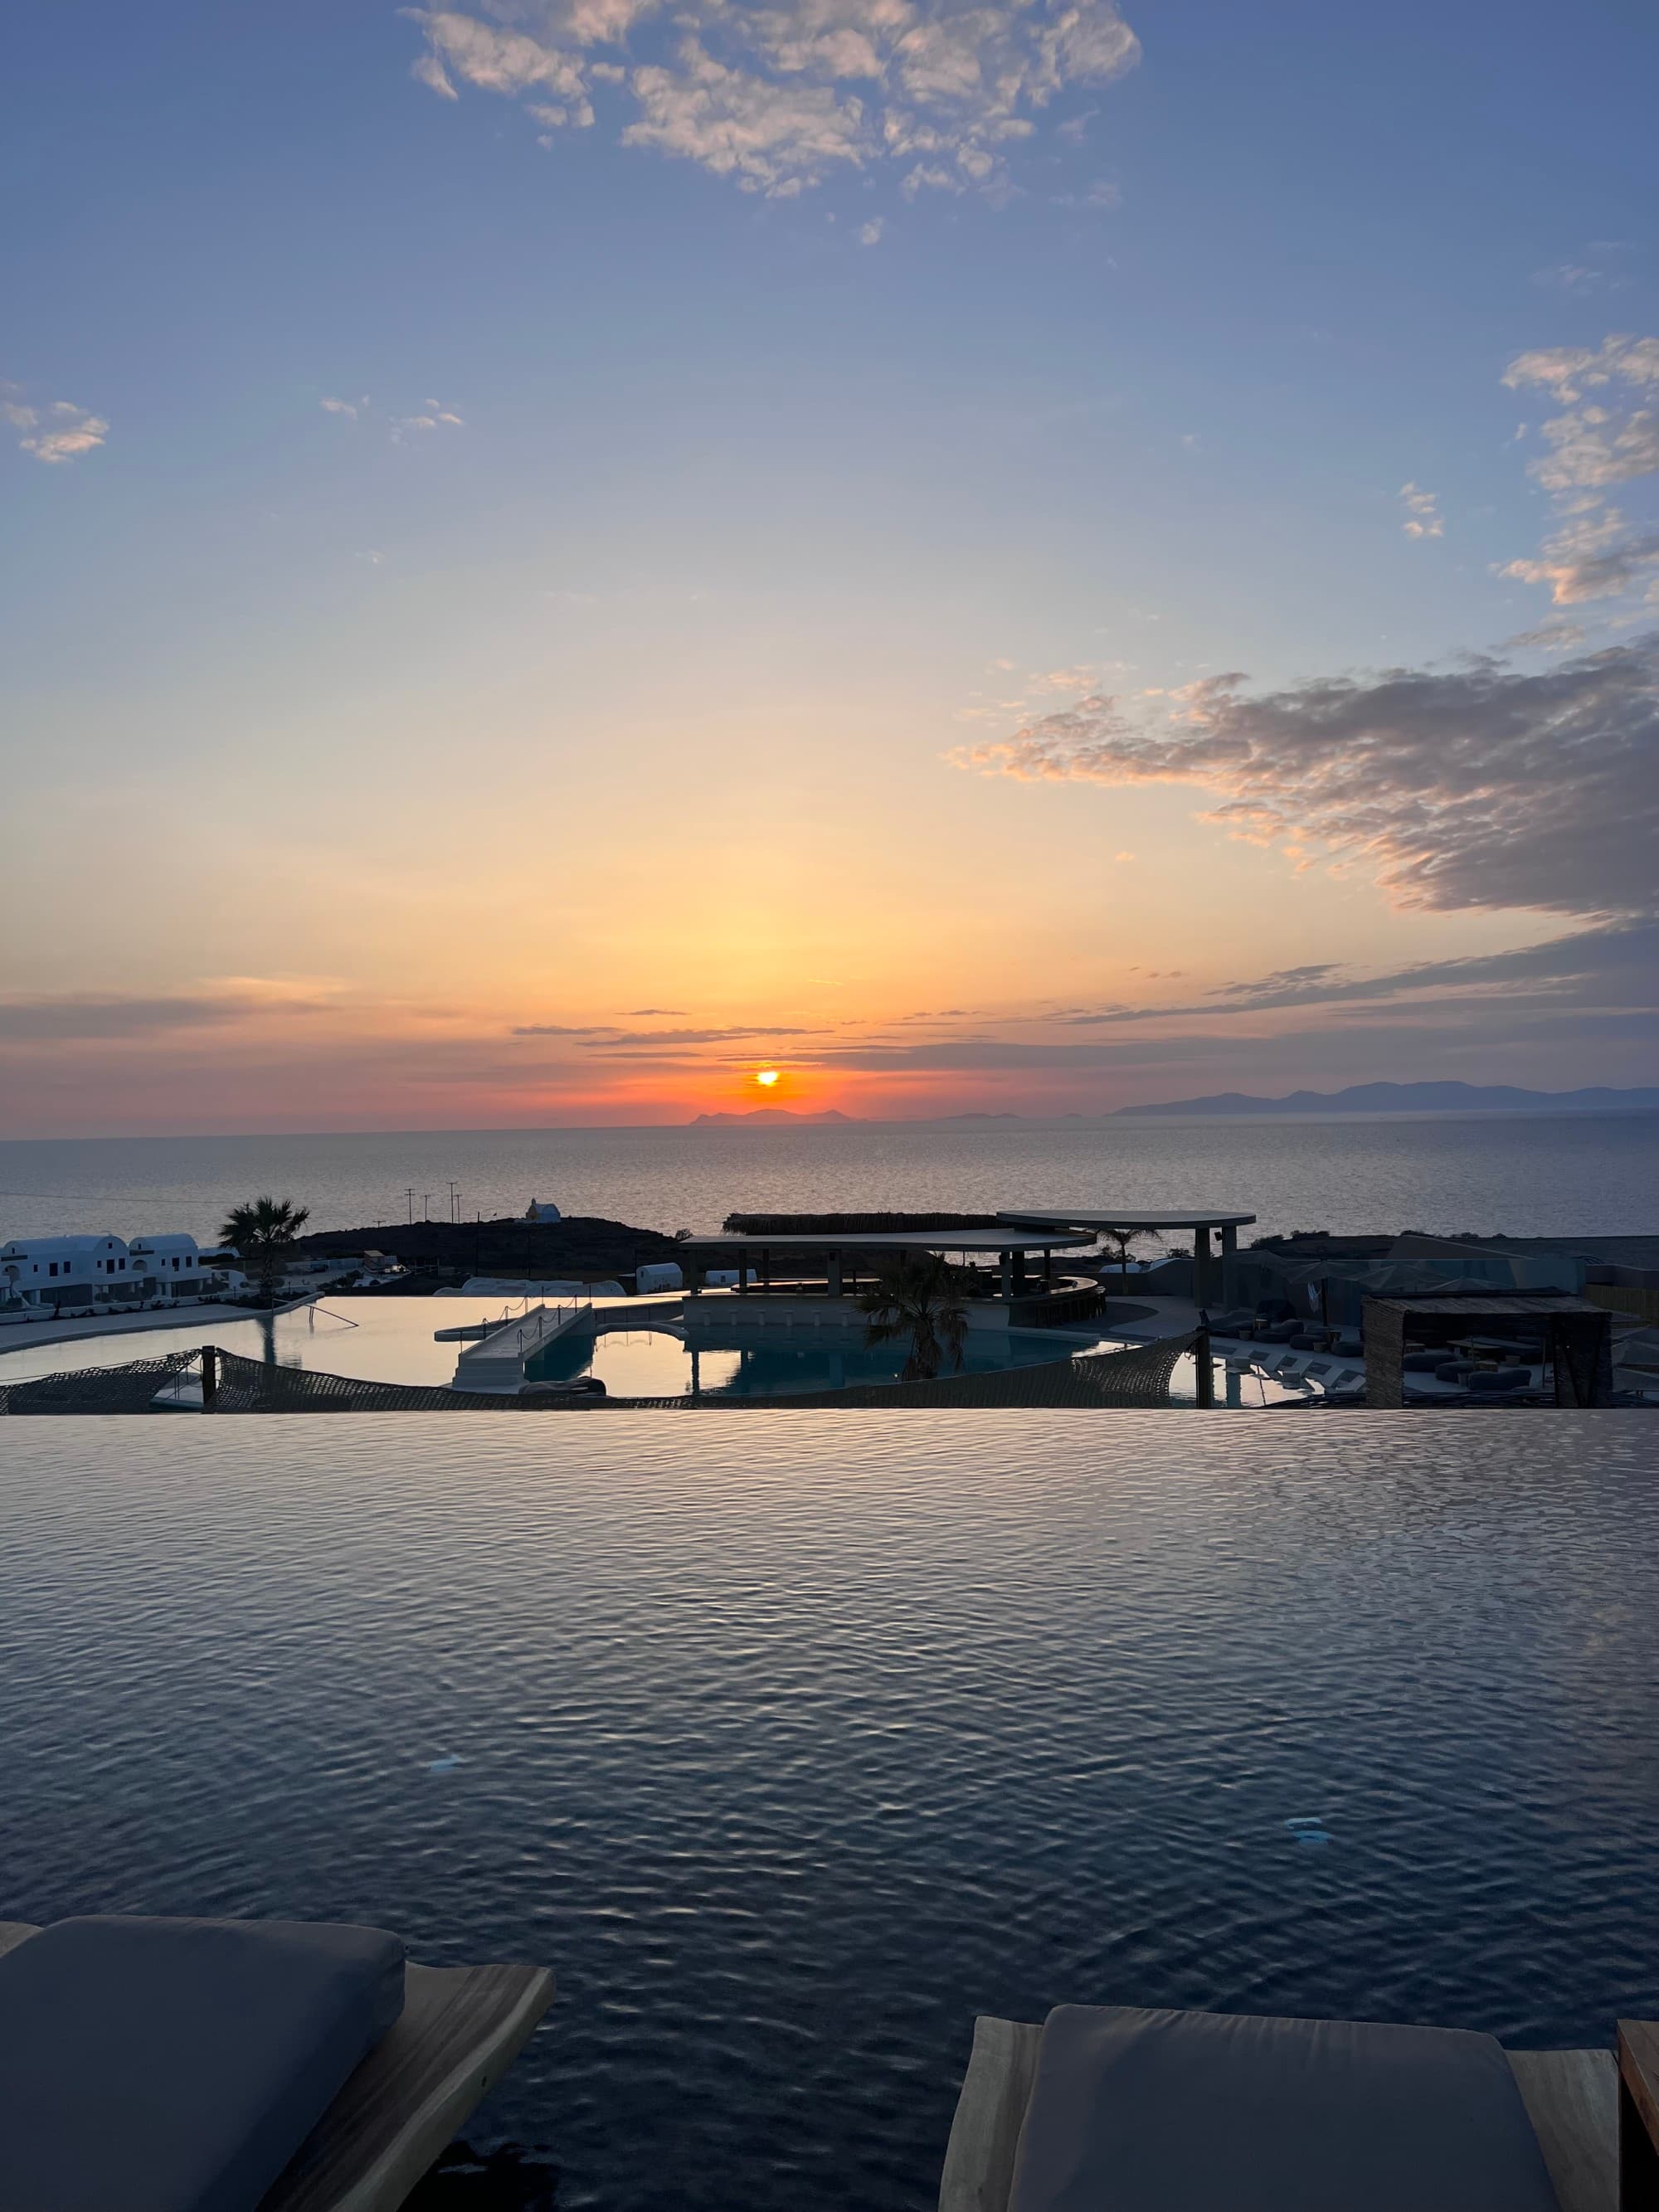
(793, 1745)
(1543, 1176)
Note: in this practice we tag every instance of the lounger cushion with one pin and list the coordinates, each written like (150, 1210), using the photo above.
(177, 2065)
(1187, 2112)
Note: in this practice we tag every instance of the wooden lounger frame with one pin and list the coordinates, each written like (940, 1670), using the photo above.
(459, 2030)
(1572, 2098)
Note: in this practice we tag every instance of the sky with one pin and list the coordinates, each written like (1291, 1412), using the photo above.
(560, 556)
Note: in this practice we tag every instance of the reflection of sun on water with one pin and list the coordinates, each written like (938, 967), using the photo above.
(766, 1077)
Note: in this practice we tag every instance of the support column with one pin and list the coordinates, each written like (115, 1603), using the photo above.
(1201, 1266)
(833, 1282)
(1007, 1261)
(1203, 1371)
(1229, 1265)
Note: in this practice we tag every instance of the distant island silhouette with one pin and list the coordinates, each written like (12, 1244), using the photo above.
(766, 1113)
(1413, 1098)
(1358, 1098)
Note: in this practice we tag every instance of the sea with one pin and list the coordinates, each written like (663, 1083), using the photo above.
(1517, 1174)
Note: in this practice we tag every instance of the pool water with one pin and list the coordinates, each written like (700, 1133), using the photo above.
(658, 1363)
(391, 1340)
(793, 1746)
(387, 1339)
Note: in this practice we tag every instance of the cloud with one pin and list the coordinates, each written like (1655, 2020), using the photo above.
(1607, 435)
(1596, 557)
(606, 1034)
(1423, 516)
(1614, 965)
(427, 69)
(1566, 373)
(59, 431)
(778, 98)
(772, 137)
(646, 1013)
(1584, 278)
(1593, 447)
(78, 1016)
(434, 416)
(630, 1039)
(1597, 442)
(1102, 193)
(1481, 786)
(870, 232)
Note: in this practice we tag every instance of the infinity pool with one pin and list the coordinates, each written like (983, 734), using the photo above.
(792, 1746)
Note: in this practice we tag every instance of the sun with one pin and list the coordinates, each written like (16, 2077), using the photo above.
(766, 1077)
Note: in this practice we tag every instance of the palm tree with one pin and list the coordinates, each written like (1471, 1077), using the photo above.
(918, 1296)
(1121, 1240)
(263, 1231)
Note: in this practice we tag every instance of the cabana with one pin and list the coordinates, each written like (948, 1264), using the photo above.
(1572, 1337)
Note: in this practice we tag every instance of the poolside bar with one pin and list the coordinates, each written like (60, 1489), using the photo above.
(1208, 1284)
(805, 1258)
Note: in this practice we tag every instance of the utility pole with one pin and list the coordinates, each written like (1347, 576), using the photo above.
(410, 1195)
(454, 1201)
(426, 1207)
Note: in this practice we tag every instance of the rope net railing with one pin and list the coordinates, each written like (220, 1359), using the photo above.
(132, 1388)
(1137, 1376)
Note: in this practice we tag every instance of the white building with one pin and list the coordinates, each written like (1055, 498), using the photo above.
(89, 1275)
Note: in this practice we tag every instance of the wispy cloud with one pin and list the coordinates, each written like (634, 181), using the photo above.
(1614, 965)
(780, 97)
(55, 431)
(606, 1034)
(77, 1016)
(1423, 515)
(432, 415)
(870, 232)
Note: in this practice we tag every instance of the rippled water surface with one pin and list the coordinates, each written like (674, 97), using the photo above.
(791, 1741)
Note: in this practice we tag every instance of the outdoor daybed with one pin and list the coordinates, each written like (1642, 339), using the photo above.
(156, 2065)
(1112, 2109)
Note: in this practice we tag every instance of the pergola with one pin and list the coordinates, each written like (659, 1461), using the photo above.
(1574, 1338)
(1198, 1224)
(1010, 1247)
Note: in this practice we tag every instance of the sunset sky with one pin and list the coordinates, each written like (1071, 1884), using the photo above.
(1009, 558)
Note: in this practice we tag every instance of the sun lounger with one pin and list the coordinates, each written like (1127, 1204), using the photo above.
(1033, 2124)
(239, 2066)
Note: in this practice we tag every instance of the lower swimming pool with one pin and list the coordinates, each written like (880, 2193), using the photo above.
(394, 1339)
